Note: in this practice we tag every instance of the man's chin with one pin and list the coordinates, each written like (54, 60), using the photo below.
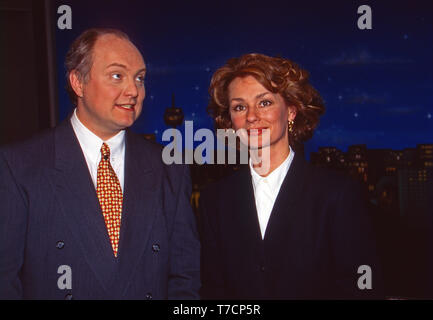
(124, 123)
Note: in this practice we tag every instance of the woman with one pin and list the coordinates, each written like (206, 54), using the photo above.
(291, 231)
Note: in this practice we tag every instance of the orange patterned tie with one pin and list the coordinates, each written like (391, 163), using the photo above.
(110, 197)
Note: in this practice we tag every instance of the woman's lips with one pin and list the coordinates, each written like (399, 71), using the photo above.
(255, 131)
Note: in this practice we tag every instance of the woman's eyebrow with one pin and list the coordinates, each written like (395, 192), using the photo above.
(260, 95)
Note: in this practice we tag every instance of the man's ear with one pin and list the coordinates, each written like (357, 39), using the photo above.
(76, 83)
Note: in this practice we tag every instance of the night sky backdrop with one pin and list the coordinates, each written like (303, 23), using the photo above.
(377, 84)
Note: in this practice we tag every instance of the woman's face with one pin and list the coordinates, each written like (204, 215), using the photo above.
(252, 106)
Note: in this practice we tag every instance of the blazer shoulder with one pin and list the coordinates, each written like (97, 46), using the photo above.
(37, 140)
(332, 186)
(147, 149)
(152, 152)
(329, 179)
(217, 190)
(30, 152)
(138, 139)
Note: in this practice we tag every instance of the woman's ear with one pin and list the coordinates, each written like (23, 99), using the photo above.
(292, 114)
(76, 83)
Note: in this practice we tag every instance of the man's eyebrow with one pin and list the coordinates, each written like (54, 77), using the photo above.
(141, 70)
(115, 64)
(260, 95)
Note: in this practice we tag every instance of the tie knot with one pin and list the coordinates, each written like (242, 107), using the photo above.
(105, 151)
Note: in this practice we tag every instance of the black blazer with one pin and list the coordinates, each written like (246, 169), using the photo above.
(50, 216)
(318, 235)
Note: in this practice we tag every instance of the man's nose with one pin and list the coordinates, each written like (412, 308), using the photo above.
(131, 89)
(252, 114)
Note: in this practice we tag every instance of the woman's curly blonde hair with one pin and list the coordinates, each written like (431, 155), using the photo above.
(277, 75)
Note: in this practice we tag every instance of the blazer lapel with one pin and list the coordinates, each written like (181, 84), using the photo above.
(286, 204)
(139, 206)
(77, 197)
(245, 207)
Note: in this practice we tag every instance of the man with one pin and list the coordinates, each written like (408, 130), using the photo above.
(88, 210)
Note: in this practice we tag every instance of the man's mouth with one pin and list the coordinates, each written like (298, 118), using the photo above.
(129, 107)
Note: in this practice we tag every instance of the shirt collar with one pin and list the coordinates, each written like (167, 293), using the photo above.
(91, 143)
(276, 177)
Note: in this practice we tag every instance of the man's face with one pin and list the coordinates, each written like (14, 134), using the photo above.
(111, 98)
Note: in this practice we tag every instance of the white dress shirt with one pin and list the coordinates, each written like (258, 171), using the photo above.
(91, 146)
(266, 189)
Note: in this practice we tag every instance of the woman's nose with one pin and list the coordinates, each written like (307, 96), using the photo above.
(252, 114)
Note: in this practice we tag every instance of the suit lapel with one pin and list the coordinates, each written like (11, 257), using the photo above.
(77, 197)
(139, 206)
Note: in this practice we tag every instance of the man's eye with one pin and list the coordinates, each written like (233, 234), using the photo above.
(265, 103)
(140, 79)
(116, 76)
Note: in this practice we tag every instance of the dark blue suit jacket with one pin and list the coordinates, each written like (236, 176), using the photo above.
(50, 216)
(317, 236)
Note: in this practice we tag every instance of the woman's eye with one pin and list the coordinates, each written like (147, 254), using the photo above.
(239, 107)
(265, 103)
